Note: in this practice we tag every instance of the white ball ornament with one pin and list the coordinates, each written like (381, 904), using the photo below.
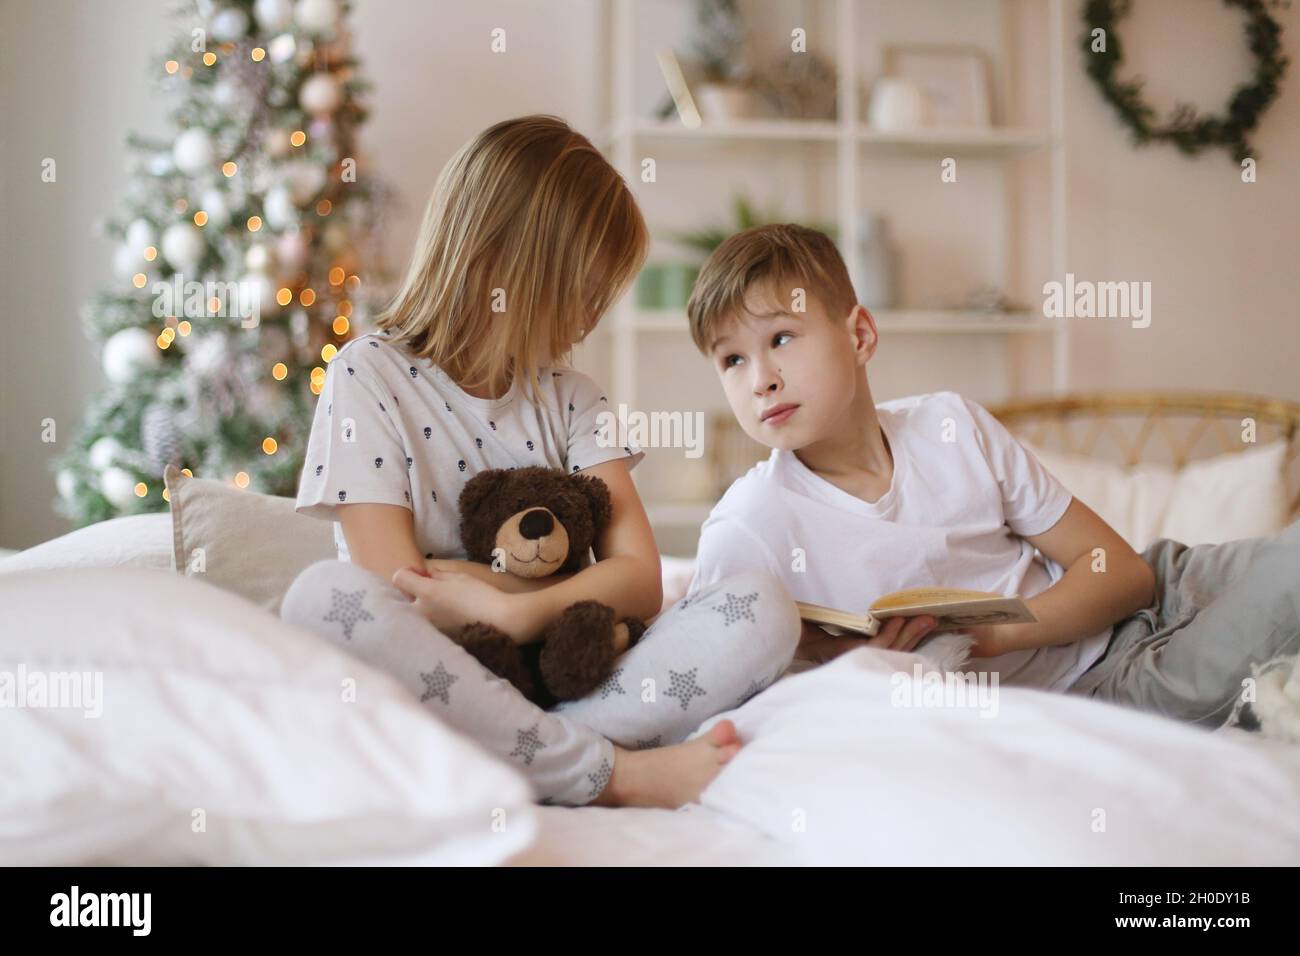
(278, 208)
(183, 245)
(320, 94)
(224, 94)
(229, 24)
(273, 15)
(66, 483)
(305, 180)
(140, 234)
(318, 17)
(258, 258)
(103, 452)
(277, 143)
(257, 296)
(128, 352)
(127, 261)
(193, 151)
(118, 486)
(214, 204)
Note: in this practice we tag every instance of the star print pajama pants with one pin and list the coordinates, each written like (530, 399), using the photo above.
(706, 654)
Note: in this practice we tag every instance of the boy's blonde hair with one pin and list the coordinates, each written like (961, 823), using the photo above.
(527, 217)
(781, 256)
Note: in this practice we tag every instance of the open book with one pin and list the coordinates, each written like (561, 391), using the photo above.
(955, 609)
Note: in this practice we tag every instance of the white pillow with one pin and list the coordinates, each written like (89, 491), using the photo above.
(837, 767)
(212, 706)
(137, 541)
(1230, 496)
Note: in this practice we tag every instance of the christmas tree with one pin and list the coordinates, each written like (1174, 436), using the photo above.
(238, 264)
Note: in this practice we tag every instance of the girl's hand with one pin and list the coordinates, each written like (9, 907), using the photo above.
(452, 599)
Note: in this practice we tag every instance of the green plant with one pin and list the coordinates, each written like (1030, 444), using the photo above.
(745, 216)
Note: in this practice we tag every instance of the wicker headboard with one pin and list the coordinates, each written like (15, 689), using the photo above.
(1167, 427)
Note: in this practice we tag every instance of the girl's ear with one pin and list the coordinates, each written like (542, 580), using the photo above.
(597, 495)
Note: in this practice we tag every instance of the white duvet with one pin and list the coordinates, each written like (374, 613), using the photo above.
(215, 709)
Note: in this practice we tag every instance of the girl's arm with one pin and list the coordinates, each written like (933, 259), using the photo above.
(1105, 580)
(381, 538)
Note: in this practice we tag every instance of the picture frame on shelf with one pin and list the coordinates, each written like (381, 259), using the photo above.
(954, 79)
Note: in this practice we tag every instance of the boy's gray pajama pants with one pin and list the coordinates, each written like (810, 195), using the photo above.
(1218, 610)
(706, 654)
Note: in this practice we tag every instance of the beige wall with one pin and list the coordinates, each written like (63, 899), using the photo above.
(1221, 255)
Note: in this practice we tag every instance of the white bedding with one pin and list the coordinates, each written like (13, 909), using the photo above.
(831, 772)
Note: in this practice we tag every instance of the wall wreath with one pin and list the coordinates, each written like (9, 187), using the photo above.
(1185, 128)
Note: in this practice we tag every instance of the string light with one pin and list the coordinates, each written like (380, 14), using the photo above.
(184, 327)
(328, 352)
(258, 54)
(229, 168)
(181, 205)
(209, 58)
(279, 371)
(186, 471)
(336, 276)
(353, 283)
(150, 253)
(241, 479)
(323, 207)
(171, 66)
(345, 308)
(141, 489)
(254, 223)
(297, 137)
(269, 445)
(284, 296)
(166, 496)
(340, 325)
(139, 279)
(307, 297)
(200, 218)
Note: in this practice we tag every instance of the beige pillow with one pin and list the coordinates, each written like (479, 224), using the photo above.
(242, 541)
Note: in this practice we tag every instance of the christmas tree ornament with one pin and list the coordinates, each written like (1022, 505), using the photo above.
(193, 151)
(183, 246)
(129, 352)
(66, 483)
(160, 438)
(214, 204)
(104, 452)
(279, 209)
(317, 17)
(229, 24)
(273, 15)
(127, 261)
(257, 292)
(276, 142)
(225, 95)
(282, 48)
(320, 94)
(118, 486)
(258, 258)
(140, 234)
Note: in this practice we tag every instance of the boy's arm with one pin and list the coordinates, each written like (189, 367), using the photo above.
(1105, 580)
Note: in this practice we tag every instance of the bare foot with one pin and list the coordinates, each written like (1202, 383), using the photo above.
(669, 776)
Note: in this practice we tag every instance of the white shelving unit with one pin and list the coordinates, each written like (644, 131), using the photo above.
(853, 144)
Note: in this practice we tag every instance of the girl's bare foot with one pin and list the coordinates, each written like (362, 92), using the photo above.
(669, 776)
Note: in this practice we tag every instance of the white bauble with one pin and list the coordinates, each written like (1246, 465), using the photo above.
(183, 245)
(127, 352)
(273, 15)
(140, 234)
(257, 296)
(292, 252)
(336, 237)
(225, 94)
(66, 483)
(118, 486)
(281, 50)
(277, 143)
(193, 151)
(214, 204)
(258, 258)
(317, 16)
(127, 261)
(320, 94)
(103, 452)
(229, 24)
(161, 164)
(279, 209)
(208, 355)
(304, 180)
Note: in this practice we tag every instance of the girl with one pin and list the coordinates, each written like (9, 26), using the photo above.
(528, 238)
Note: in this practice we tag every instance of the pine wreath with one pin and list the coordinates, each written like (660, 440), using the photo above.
(1185, 128)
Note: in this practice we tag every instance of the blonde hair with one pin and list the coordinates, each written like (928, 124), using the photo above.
(782, 255)
(528, 216)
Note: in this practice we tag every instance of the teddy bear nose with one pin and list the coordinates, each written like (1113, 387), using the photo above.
(536, 524)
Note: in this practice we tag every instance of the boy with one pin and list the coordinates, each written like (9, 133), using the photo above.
(857, 500)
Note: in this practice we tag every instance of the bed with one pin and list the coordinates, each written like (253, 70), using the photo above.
(224, 736)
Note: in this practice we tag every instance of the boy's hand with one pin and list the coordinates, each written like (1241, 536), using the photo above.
(897, 634)
(990, 640)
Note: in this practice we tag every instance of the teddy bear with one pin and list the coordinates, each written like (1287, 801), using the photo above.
(533, 522)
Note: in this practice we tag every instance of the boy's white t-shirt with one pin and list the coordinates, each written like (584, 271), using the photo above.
(963, 492)
(393, 429)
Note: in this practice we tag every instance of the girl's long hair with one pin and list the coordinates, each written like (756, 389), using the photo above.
(529, 237)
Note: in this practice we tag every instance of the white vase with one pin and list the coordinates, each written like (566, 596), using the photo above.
(724, 102)
(877, 263)
(897, 105)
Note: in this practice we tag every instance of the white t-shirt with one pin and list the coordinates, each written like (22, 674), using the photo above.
(393, 429)
(963, 492)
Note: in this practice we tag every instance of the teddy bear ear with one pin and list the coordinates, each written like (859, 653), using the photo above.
(479, 488)
(597, 495)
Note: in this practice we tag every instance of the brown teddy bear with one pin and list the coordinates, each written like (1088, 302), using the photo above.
(534, 522)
